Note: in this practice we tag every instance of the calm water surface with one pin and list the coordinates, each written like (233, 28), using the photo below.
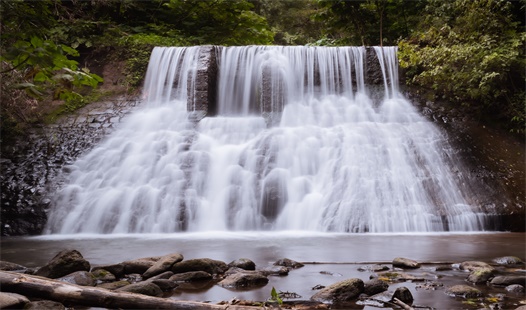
(340, 255)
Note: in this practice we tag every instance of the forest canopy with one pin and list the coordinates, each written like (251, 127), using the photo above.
(467, 52)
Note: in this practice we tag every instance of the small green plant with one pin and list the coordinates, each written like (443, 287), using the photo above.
(274, 297)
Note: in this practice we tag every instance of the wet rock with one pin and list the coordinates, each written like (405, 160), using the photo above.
(114, 285)
(44, 305)
(82, 278)
(103, 275)
(289, 263)
(145, 288)
(403, 294)
(275, 271)
(339, 292)
(508, 280)
(402, 262)
(115, 269)
(164, 264)
(375, 286)
(481, 275)
(508, 260)
(12, 300)
(243, 263)
(464, 291)
(241, 278)
(64, 263)
(140, 265)
(200, 264)
(373, 268)
(164, 275)
(443, 268)
(7, 266)
(515, 288)
(473, 265)
(191, 276)
(164, 284)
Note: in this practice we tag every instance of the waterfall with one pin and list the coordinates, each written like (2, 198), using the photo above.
(334, 160)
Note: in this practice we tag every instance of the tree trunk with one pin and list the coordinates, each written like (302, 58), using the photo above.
(70, 294)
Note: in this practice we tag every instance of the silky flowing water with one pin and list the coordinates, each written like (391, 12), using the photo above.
(336, 159)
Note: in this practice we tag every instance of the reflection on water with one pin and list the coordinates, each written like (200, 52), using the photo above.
(264, 248)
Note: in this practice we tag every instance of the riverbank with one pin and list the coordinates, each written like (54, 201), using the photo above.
(327, 258)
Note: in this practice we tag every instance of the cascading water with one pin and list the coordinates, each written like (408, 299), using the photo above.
(335, 160)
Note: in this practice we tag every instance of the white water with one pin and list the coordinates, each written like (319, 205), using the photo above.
(336, 161)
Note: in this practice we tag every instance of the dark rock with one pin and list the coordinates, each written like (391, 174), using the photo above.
(340, 292)
(164, 264)
(375, 286)
(44, 305)
(145, 288)
(508, 260)
(403, 294)
(64, 263)
(12, 300)
(508, 280)
(285, 262)
(244, 279)
(82, 278)
(464, 291)
(191, 276)
(275, 271)
(115, 269)
(401, 262)
(473, 265)
(200, 264)
(139, 265)
(443, 268)
(515, 288)
(7, 266)
(243, 263)
(164, 284)
(481, 275)
(164, 275)
(103, 275)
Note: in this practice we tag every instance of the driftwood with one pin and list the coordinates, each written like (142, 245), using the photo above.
(402, 304)
(66, 293)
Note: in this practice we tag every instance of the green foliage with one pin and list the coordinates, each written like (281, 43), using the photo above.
(274, 297)
(470, 53)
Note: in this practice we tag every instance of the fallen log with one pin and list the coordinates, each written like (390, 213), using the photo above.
(71, 294)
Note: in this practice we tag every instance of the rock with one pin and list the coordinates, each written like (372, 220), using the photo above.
(375, 286)
(103, 275)
(114, 285)
(191, 276)
(373, 268)
(64, 263)
(200, 264)
(473, 265)
(401, 262)
(508, 280)
(515, 288)
(116, 269)
(443, 268)
(244, 279)
(481, 275)
(164, 275)
(164, 284)
(243, 263)
(464, 291)
(508, 260)
(275, 271)
(342, 291)
(285, 262)
(145, 288)
(164, 264)
(139, 265)
(521, 307)
(82, 278)
(404, 294)
(7, 266)
(12, 300)
(44, 305)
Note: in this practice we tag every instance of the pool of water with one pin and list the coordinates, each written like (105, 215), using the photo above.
(330, 257)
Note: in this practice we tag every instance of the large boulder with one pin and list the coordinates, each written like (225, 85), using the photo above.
(402, 262)
(343, 291)
(237, 278)
(403, 294)
(375, 286)
(464, 291)
(508, 280)
(140, 265)
(200, 264)
(481, 275)
(64, 263)
(164, 264)
(243, 263)
(82, 278)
